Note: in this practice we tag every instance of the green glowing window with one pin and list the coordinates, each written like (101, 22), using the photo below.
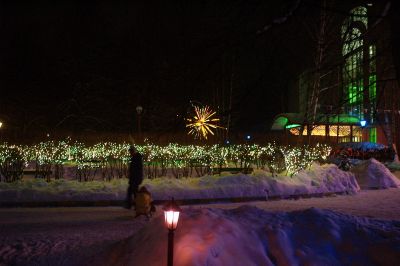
(351, 35)
(372, 135)
(372, 51)
(360, 14)
(372, 87)
(352, 40)
(372, 58)
(352, 32)
(353, 91)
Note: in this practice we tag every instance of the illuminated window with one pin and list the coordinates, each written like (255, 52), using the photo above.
(372, 135)
(333, 130)
(356, 62)
(372, 80)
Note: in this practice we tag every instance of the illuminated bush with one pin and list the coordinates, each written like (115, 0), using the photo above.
(110, 160)
(11, 163)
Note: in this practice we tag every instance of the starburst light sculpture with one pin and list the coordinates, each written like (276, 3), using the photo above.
(202, 123)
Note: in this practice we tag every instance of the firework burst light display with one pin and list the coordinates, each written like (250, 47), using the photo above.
(203, 122)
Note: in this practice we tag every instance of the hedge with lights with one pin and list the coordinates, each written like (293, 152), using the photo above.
(110, 160)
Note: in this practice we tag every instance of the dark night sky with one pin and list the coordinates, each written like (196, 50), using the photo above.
(87, 64)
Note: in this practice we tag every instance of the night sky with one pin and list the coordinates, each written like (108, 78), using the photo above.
(86, 65)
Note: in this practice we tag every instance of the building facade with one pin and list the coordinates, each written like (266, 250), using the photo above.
(358, 88)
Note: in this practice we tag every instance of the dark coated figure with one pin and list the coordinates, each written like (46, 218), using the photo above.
(135, 175)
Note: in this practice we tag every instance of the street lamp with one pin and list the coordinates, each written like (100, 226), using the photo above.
(171, 215)
(139, 110)
(1, 135)
(363, 123)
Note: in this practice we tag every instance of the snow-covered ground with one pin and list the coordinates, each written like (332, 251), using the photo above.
(251, 236)
(319, 179)
(254, 233)
(335, 230)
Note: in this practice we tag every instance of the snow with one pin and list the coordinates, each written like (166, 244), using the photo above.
(362, 146)
(251, 236)
(331, 230)
(316, 180)
(320, 179)
(373, 174)
(300, 231)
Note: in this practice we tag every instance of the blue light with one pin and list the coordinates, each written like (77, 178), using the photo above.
(363, 123)
(248, 137)
(227, 142)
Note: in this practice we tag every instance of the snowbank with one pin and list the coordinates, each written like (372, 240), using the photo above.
(362, 146)
(62, 190)
(374, 174)
(251, 236)
(319, 179)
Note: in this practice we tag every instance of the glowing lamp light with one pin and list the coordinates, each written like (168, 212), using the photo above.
(248, 137)
(171, 215)
(1, 124)
(139, 109)
(171, 218)
(363, 123)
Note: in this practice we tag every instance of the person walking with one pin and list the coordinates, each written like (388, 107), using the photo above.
(135, 175)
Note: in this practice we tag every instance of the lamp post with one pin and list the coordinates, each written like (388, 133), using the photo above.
(363, 123)
(1, 135)
(139, 110)
(171, 215)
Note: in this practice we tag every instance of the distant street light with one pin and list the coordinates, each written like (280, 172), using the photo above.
(139, 110)
(363, 123)
(1, 135)
(171, 215)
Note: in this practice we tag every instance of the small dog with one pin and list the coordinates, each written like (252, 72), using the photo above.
(144, 203)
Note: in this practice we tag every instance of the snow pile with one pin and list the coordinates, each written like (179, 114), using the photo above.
(62, 190)
(374, 174)
(394, 166)
(251, 236)
(362, 146)
(319, 179)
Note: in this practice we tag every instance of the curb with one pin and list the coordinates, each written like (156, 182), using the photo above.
(112, 203)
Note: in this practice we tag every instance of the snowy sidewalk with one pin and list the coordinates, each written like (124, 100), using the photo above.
(379, 204)
(63, 236)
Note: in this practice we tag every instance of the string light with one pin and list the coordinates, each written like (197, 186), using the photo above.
(112, 158)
